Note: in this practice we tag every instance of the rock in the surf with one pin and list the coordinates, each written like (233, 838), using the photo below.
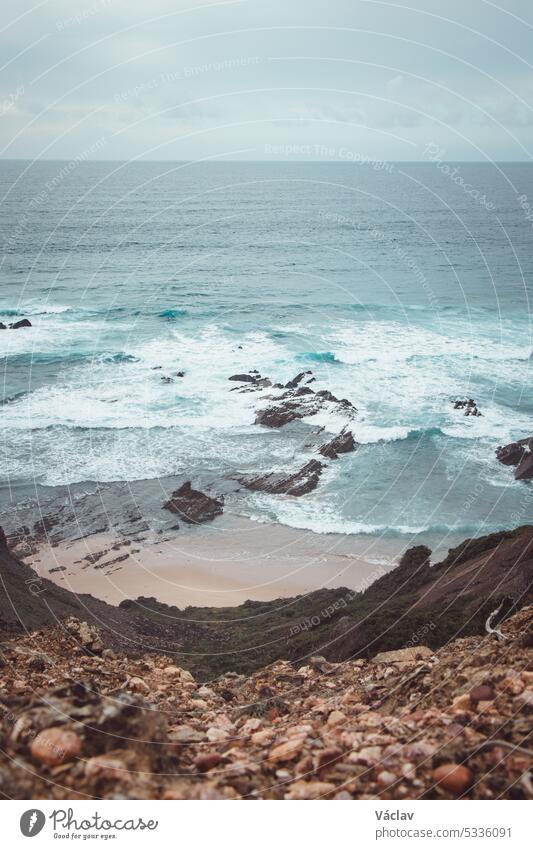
(469, 406)
(24, 322)
(243, 378)
(193, 506)
(343, 443)
(520, 455)
(280, 483)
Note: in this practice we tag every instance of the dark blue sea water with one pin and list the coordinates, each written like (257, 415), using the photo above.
(399, 286)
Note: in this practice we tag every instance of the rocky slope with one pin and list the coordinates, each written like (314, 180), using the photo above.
(80, 721)
(415, 603)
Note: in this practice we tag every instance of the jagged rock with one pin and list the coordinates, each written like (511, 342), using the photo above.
(24, 322)
(3, 326)
(519, 454)
(343, 443)
(280, 483)
(87, 636)
(469, 406)
(292, 384)
(193, 506)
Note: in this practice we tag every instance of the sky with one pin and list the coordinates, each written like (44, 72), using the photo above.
(340, 80)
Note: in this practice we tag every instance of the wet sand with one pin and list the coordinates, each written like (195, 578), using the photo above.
(221, 564)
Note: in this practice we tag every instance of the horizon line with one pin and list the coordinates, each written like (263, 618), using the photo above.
(370, 161)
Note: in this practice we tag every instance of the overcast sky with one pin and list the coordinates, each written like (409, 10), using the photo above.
(266, 79)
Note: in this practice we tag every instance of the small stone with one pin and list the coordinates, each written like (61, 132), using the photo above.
(185, 734)
(409, 771)
(482, 693)
(217, 735)
(309, 789)
(108, 766)
(454, 778)
(320, 664)
(461, 703)
(386, 778)
(172, 672)
(55, 746)
(262, 737)
(335, 718)
(305, 765)
(286, 751)
(207, 761)
(138, 685)
(251, 725)
(369, 755)
(327, 758)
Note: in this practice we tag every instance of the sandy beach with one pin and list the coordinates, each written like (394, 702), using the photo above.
(222, 564)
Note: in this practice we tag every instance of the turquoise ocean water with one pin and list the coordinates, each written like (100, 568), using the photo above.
(402, 286)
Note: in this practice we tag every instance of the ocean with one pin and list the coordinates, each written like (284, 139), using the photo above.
(402, 287)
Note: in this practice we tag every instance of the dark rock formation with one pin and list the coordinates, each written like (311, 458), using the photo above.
(193, 506)
(469, 406)
(24, 322)
(253, 381)
(278, 416)
(519, 454)
(243, 378)
(343, 443)
(2, 326)
(524, 470)
(292, 384)
(279, 483)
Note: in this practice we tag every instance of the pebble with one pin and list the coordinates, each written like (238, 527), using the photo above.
(55, 746)
(482, 693)
(207, 761)
(336, 717)
(454, 778)
(286, 751)
(386, 778)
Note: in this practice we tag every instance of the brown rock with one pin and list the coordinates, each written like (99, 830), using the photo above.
(193, 506)
(482, 693)
(55, 746)
(408, 655)
(207, 761)
(286, 751)
(328, 757)
(336, 717)
(343, 443)
(454, 778)
(297, 483)
(386, 779)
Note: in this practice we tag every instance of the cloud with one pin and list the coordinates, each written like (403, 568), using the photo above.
(205, 78)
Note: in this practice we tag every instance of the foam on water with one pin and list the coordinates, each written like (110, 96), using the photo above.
(83, 393)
